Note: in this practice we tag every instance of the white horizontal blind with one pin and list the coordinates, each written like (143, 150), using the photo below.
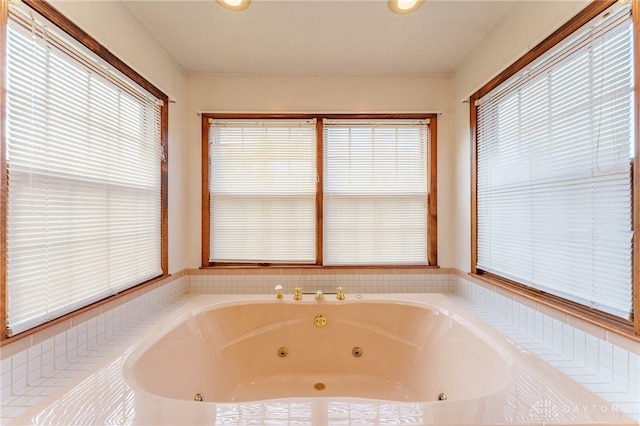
(554, 170)
(83, 158)
(262, 185)
(375, 192)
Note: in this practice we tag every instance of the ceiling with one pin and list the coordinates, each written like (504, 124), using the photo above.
(324, 36)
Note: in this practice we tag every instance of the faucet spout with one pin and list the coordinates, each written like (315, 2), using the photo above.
(319, 296)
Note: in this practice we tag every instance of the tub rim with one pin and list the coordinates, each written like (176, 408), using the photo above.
(203, 303)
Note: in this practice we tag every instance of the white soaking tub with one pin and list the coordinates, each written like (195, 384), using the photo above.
(375, 359)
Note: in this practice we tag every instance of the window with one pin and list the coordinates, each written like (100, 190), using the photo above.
(322, 190)
(84, 160)
(375, 192)
(262, 181)
(554, 155)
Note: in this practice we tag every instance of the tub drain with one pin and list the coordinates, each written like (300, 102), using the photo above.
(319, 386)
(282, 352)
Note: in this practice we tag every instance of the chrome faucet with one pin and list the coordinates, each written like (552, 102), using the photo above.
(319, 296)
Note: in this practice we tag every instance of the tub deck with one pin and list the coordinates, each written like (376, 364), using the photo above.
(539, 395)
(407, 352)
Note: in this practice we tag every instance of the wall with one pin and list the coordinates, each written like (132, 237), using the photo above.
(319, 93)
(527, 25)
(111, 25)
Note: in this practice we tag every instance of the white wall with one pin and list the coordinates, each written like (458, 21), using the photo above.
(319, 93)
(527, 25)
(113, 27)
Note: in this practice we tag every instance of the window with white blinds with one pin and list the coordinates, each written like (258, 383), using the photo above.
(375, 192)
(262, 191)
(83, 153)
(554, 185)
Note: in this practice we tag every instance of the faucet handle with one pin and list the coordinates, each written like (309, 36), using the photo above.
(278, 290)
(297, 293)
(340, 294)
(319, 296)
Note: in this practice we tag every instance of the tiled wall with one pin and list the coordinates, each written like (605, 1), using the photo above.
(366, 280)
(38, 365)
(604, 362)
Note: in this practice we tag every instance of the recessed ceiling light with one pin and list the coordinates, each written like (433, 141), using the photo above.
(404, 6)
(234, 4)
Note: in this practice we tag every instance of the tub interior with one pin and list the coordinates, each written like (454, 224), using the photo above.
(236, 353)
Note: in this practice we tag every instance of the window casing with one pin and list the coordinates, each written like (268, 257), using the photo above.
(84, 149)
(552, 193)
(412, 138)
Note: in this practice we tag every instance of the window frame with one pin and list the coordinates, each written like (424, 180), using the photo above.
(67, 26)
(432, 195)
(628, 328)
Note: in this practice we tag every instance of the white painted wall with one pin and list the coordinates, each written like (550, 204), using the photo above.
(527, 25)
(319, 93)
(113, 26)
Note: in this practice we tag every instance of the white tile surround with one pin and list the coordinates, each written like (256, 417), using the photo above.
(604, 362)
(45, 363)
(353, 280)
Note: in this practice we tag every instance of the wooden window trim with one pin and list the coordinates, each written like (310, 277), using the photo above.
(432, 237)
(4, 15)
(50, 13)
(635, 10)
(627, 328)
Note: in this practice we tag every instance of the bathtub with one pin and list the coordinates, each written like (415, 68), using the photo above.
(370, 359)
